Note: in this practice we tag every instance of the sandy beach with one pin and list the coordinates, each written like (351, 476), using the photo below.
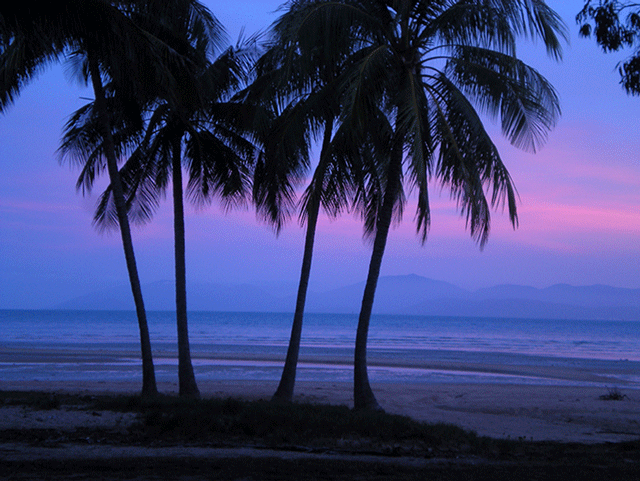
(556, 413)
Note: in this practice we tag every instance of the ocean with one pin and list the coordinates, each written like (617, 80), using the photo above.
(103, 345)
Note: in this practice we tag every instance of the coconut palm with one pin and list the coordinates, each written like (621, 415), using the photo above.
(108, 41)
(196, 128)
(429, 66)
(209, 143)
(328, 188)
(305, 80)
(208, 137)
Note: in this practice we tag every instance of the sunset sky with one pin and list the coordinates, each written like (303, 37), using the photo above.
(579, 201)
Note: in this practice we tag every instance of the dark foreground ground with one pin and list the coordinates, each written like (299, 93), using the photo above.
(310, 468)
(169, 439)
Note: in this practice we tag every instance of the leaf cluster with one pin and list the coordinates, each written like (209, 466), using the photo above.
(409, 76)
(616, 26)
(196, 125)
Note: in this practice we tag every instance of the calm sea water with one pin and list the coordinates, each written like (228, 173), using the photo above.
(78, 345)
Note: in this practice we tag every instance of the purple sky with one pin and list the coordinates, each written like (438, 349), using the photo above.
(579, 202)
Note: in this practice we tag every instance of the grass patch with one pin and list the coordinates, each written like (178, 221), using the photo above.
(43, 401)
(232, 421)
(297, 424)
(170, 421)
(614, 394)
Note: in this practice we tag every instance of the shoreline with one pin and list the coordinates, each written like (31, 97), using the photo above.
(71, 363)
(508, 411)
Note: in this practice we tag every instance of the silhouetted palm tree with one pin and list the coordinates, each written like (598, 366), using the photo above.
(207, 135)
(424, 65)
(305, 81)
(208, 141)
(111, 45)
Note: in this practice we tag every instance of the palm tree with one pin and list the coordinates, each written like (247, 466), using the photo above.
(424, 65)
(208, 138)
(197, 128)
(208, 141)
(307, 79)
(326, 188)
(110, 43)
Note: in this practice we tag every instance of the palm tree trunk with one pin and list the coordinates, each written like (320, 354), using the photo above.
(186, 377)
(288, 379)
(149, 387)
(363, 397)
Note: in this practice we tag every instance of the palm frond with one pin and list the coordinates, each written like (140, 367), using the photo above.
(215, 170)
(281, 166)
(504, 86)
(468, 161)
(82, 141)
(414, 126)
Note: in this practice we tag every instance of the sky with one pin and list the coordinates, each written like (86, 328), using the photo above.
(579, 201)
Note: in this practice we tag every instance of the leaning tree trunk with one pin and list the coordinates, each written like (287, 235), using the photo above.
(363, 397)
(149, 387)
(186, 377)
(288, 379)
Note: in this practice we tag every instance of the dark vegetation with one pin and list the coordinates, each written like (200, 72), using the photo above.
(615, 26)
(614, 394)
(224, 422)
(337, 443)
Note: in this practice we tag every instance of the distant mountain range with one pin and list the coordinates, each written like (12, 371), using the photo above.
(408, 295)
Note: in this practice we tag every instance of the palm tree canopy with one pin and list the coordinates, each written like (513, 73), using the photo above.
(213, 140)
(431, 68)
(298, 82)
(36, 34)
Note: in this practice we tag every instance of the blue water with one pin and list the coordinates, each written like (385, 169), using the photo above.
(79, 345)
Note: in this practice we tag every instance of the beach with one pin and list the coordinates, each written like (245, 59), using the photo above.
(538, 413)
(538, 380)
(570, 432)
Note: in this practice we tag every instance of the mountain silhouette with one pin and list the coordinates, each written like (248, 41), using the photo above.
(400, 295)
